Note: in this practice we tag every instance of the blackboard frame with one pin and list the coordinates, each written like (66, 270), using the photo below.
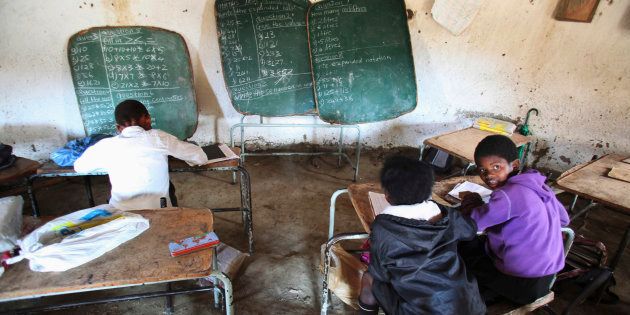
(150, 28)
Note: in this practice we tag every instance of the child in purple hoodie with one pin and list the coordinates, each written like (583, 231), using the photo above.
(523, 249)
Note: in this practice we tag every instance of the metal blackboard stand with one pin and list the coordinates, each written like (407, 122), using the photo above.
(340, 146)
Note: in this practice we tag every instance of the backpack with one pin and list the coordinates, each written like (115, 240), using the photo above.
(586, 266)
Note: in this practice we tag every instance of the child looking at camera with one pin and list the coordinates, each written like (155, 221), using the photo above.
(523, 249)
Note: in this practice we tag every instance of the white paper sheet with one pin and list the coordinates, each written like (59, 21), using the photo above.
(472, 187)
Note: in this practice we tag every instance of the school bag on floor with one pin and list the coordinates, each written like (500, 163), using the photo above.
(586, 264)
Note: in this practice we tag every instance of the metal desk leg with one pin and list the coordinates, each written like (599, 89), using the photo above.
(88, 190)
(467, 168)
(325, 290)
(421, 149)
(358, 154)
(575, 199)
(583, 211)
(215, 283)
(331, 219)
(227, 287)
(240, 162)
(217, 276)
(168, 307)
(31, 195)
(246, 207)
(340, 147)
(243, 140)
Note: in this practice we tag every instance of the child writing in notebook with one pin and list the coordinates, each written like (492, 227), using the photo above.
(137, 159)
(523, 249)
(414, 266)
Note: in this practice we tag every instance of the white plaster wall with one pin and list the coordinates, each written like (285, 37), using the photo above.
(513, 57)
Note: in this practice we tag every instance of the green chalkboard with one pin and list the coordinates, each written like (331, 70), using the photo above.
(151, 65)
(264, 53)
(361, 60)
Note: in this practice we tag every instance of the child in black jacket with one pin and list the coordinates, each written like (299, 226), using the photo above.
(414, 265)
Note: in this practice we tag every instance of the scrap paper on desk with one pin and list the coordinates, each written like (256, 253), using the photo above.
(471, 187)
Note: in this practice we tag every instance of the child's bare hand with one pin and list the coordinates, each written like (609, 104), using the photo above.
(470, 200)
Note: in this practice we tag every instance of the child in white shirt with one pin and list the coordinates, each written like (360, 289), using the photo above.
(137, 159)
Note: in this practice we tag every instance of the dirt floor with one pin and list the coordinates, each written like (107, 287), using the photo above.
(291, 199)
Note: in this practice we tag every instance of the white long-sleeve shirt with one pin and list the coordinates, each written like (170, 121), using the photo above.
(137, 164)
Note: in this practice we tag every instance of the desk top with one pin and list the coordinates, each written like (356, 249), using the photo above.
(462, 143)
(590, 181)
(173, 164)
(361, 201)
(142, 260)
(20, 169)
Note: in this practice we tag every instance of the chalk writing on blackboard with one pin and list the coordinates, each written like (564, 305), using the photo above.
(264, 53)
(109, 65)
(361, 59)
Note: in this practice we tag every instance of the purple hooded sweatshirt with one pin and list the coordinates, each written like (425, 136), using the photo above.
(523, 220)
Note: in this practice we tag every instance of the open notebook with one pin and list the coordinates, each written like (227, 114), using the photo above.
(219, 152)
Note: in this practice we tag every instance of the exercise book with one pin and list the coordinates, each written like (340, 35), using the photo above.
(378, 202)
(219, 153)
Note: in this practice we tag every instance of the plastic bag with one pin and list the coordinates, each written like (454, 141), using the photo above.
(79, 237)
(10, 221)
(74, 149)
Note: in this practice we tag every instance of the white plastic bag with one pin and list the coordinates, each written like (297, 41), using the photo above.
(10, 221)
(49, 249)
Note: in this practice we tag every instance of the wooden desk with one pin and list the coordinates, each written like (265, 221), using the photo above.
(590, 181)
(50, 169)
(361, 201)
(21, 169)
(16, 175)
(142, 260)
(462, 143)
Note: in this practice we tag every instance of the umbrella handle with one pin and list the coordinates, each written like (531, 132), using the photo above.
(529, 113)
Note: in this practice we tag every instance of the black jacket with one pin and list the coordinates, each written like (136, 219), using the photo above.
(416, 268)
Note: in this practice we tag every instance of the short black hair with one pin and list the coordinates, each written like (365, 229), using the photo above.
(129, 112)
(498, 145)
(406, 181)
